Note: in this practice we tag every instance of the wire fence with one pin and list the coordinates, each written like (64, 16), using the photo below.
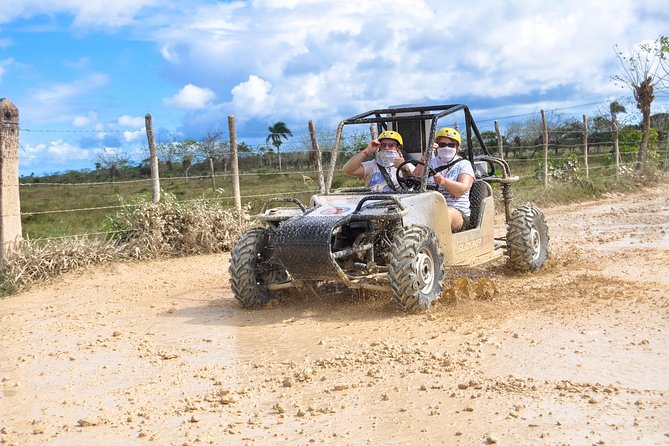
(563, 153)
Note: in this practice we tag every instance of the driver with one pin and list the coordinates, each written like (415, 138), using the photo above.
(380, 173)
(456, 178)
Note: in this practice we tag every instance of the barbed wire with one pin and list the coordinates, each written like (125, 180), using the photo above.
(193, 200)
(184, 178)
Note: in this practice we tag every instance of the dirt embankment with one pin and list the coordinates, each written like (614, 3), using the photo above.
(159, 352)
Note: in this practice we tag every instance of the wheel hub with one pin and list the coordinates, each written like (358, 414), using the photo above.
(425, 274)
(535, 242)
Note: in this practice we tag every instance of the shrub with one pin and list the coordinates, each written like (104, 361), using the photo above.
(31, 261)
(170, 228)
(140, 230)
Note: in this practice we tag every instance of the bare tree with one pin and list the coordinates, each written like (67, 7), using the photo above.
(167, 148)
(213, 148)
(187, 150)
(642, 71)
(113, 160)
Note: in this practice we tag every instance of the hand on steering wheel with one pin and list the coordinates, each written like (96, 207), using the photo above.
(410, 183)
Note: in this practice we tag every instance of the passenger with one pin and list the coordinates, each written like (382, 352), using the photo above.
(379, 173)
(456, 180)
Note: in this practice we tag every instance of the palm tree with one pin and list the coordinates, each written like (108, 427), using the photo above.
(276, 132)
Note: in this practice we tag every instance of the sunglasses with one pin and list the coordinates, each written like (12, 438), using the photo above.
(391, 145)
(447, 144)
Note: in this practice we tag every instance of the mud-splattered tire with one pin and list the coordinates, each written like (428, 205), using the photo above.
(416, 269)
(527, 238)
(246, 273)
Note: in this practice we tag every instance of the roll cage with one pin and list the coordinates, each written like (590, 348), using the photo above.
(417, 125)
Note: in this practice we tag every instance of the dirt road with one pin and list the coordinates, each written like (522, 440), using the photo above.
(159, 352)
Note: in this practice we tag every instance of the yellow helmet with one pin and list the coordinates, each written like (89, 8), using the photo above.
(449, 133)
(391, 135)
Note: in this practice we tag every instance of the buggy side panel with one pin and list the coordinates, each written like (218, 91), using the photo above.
(467, 248)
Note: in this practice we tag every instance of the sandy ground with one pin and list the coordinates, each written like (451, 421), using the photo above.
(160, 353)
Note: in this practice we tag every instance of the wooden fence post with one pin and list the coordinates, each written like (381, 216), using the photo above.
(333, 158)
(544, 126)
(666, 149)
(616, 146)
(235, 166)
(10, 206)
(316, 154)
(213, 175)
(500, 142)
(585, 146)
(153, 153)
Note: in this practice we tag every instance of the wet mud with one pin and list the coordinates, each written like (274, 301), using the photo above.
(160, 353)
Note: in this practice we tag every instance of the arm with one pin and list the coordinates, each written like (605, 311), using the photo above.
(457, 188)
(354, 167)
(418, 171)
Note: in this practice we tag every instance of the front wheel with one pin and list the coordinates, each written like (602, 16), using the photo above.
(416, 269)
(527, 238)
(250, 269)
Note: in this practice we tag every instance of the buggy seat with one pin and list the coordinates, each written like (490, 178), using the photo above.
(479, 190)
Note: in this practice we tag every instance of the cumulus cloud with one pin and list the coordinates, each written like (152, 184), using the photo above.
(323, 58)
(86, 120)
(191, 97)
(58, 152)
(252, 96)
(86, 13)
(131, 121)
(129, 136)
(58, 92)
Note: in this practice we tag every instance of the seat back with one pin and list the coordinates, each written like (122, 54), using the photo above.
(479, 190)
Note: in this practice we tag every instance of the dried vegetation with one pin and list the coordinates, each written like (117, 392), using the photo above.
(140, 230)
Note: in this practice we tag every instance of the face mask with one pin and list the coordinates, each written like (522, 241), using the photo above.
(446, 154)
(386, 157)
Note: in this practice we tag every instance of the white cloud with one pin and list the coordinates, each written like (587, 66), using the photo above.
(58, 152)
(131, 121)
(168, 55)
(86, 13)
(56, 93)
(326, 58)
(83, 121)
(129, 136)
(252, 96)
(191, 97)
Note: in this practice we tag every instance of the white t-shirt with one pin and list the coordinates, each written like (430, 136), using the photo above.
(374, 178)
(460, 203)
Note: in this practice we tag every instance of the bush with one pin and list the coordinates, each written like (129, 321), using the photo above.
(31, 261)
(140, 230)
(170, 228)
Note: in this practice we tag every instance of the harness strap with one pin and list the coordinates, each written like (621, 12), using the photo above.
(386, 176)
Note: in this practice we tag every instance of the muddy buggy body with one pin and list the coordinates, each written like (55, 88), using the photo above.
(400, 243)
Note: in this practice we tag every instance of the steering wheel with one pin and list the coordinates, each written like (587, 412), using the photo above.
(410, 183)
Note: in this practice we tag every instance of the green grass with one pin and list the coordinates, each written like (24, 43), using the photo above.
(37, 198)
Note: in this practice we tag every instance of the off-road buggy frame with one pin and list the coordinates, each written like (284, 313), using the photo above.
(399, 243)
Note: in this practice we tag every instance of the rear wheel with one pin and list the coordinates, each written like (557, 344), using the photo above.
(251, 270)
(527, 238)
(416, 269)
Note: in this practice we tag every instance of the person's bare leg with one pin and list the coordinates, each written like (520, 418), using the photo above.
(456, 219)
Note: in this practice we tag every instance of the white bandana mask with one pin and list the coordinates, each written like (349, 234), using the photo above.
(446, 154)
(386, 158)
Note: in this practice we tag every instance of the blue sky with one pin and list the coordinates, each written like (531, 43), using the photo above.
(84, 73)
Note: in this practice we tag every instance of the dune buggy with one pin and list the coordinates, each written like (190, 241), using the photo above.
(399, 243)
